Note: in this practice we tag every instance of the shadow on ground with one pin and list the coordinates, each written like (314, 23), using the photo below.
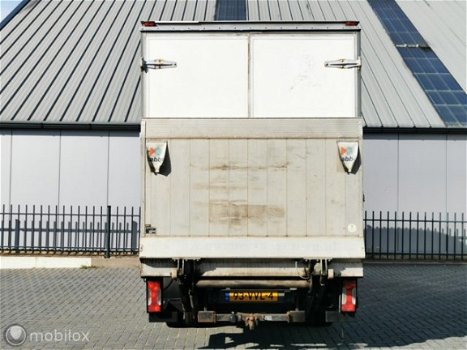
(400, 305)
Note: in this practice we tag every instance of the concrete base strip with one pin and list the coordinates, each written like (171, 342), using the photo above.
(31, 262)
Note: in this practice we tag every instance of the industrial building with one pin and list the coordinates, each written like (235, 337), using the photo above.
(70, 96)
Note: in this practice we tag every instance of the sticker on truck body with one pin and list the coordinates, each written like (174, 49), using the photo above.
(348, 153)
(156, 155)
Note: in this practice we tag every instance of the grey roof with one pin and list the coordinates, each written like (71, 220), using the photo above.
(78, 62)
(443, 26)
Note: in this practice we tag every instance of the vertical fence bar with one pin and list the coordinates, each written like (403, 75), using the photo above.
(395, 235)
(447, 235)
(40, 229)
(418, 234)
(365, 232)
(133, 236)
(424, 239)
(373, 233)
(116, 237)
(25, 231)
(77, 233)
(3, 226)
(387, 234)
(101, 233)
(47, 229)
(17, 224)
(380, 230)
(410, 235)
(70, 229)
(139, 226)
(439, 235)
(54, 244)
(86, 229)
(402, 237)
(93, 225)
(107, 234)
(10, 228)
(33, 227)
(125, 232)
(455, 236)
(462, 236)
(432, 234)
(63, 230)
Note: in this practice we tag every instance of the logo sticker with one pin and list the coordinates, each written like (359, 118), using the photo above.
(348, 152)
(156, 154)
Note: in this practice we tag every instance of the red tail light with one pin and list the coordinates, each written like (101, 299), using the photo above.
(154, 294)
(349, 296)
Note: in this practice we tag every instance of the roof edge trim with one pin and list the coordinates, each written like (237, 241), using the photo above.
(71, 126)
(416, 130)
(13, 13)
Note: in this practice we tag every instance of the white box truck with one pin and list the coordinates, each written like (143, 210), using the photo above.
(251, 179)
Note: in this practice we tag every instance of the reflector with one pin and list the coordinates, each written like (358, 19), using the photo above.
(148, 23)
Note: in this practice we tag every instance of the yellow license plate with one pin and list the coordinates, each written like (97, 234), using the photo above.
(252, 297)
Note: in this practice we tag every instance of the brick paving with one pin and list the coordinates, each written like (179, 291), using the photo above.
(406, 306)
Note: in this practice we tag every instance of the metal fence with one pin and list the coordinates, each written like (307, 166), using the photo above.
(415, 236)
(63, 229)
(107, 230)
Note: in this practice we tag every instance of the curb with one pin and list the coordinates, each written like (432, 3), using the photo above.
(43, 262)
(64, 262)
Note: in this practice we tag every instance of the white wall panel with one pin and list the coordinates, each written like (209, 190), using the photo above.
(124, 169)
(34, 167)
(84, 168)
(380, 177)
(422, 173)
(415, 173)
(456, 173)
(5, 162)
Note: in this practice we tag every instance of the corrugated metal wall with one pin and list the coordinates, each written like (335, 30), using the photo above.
(69, 168)
(401, 172)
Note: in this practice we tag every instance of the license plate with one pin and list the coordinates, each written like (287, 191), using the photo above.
(251, 297)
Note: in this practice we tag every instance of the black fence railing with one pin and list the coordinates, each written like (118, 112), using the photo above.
(115, 230)
(103, 230)
(415, 236)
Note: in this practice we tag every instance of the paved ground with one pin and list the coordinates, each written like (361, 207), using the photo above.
(406, 306)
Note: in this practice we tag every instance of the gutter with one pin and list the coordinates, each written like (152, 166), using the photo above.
(71, 126)
(413, 130)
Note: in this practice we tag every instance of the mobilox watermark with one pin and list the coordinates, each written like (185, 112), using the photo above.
(16, 335)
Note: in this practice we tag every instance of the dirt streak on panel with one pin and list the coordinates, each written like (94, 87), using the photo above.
(257, 187)
(277, 187)
(238, 188)
(199, 188)
(218, 191)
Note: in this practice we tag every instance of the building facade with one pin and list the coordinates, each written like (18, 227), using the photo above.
(70, 100)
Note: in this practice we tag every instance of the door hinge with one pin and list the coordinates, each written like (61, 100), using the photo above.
(344, 63)
(158, 63)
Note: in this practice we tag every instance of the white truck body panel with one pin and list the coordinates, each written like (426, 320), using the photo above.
(258, 75)
(289, 79)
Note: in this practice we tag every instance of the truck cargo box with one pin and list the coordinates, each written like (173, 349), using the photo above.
(251, 141)
(251, 116)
